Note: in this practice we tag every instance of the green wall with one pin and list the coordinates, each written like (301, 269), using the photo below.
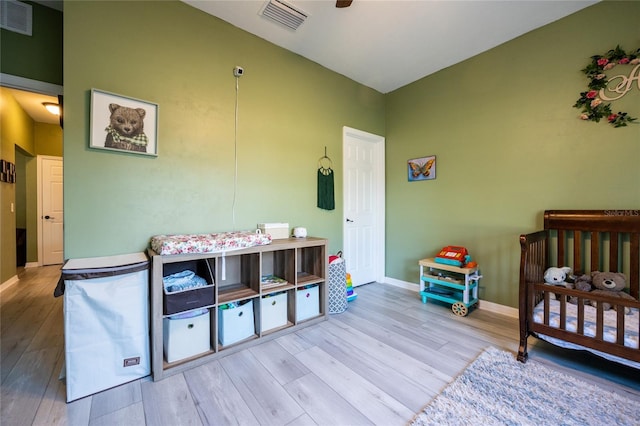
(39, 56)
(171, 54)
(509, 145)
(508, 142)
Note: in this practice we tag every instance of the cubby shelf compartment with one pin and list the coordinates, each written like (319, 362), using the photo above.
(236, 277)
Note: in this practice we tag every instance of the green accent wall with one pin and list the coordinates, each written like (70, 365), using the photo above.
(289, 110)
(509, 145)
(508, 142)
(39, 56)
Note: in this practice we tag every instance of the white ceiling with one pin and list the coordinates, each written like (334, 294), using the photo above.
(383, 44)
(387, 44)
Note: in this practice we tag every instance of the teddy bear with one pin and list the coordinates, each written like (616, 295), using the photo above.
(126, 129)
(583, 283)
(610, 284)
(556, 276)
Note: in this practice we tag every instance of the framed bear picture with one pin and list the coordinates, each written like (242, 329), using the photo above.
(123, 124)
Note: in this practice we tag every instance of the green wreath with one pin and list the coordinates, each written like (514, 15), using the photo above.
(593, 108)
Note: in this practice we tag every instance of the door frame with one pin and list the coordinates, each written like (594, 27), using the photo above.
(39, 177)
(379, 185)
(45, 88)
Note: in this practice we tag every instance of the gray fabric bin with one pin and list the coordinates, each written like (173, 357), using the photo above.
(337, 286)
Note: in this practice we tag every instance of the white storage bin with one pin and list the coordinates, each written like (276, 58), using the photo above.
(106, 322)
(273, 311)
(276, 230)
(236, 324)
(186, 337)
(307, 303)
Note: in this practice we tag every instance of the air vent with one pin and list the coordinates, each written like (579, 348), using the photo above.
(15, 16)
(284, 13)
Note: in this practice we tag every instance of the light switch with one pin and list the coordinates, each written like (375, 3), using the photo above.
(12, 208)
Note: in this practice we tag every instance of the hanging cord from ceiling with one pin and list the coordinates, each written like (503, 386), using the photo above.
(235, 154)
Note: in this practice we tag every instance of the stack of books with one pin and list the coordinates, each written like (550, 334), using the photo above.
(270, 281)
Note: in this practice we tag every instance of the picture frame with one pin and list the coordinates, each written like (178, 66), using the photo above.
(4, 177)
(123, 124)
(423, 168)
(11, 178)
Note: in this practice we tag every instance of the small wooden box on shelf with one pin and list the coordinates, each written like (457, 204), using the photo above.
(239, 278)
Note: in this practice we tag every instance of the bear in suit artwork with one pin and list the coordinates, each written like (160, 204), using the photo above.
(126, 129)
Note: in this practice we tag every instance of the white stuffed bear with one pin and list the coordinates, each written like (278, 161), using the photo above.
(556, 276)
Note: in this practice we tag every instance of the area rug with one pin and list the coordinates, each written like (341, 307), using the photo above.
(496, 389)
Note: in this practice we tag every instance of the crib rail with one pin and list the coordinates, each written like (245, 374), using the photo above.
(596, 240)
(585, 240)
(623, 321)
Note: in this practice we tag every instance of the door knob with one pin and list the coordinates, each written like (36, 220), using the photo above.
(349, 220)
(49, 217)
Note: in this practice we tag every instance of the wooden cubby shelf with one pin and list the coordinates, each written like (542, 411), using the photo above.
(236, 310)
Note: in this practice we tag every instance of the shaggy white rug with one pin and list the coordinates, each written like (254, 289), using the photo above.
(498, 390)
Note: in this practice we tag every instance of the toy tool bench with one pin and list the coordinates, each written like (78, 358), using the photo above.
(451, 284)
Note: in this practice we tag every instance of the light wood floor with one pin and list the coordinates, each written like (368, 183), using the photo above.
(379, 363)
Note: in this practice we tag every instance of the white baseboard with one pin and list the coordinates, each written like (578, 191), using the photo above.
(8, 283)
(483, 304)
(498, 309)
(32, 265)
(403, 284)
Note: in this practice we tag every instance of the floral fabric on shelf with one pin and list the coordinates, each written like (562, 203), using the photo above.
(207, 243)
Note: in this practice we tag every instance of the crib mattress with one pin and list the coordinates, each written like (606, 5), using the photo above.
(609, 332)
(207, 243)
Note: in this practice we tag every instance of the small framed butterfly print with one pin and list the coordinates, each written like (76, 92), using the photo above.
(422, 168)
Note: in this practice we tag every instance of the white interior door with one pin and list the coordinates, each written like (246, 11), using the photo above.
(363, 226)
(50, 211)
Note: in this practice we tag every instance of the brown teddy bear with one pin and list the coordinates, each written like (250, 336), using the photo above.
(582, 283)
(610, 284)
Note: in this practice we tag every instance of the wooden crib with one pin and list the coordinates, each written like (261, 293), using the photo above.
(585, 240)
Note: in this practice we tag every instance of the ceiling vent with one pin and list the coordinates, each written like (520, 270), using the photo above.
(284, 13)
(15, 16)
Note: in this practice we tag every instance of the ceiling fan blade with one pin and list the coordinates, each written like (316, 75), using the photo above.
(343, 3)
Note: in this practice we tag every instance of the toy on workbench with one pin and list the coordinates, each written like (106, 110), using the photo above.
(455, 256)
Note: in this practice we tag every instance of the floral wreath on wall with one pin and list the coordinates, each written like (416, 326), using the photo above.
(591, 102)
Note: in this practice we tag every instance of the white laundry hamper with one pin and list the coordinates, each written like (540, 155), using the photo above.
(106, 322)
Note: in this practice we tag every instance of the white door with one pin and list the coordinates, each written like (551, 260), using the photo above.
(363, 157)
(50, 211)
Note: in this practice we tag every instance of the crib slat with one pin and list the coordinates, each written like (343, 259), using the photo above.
(595, 252)
(613, 252)
(561, 249)
(563, 312)
(577, 251)
(546, 308)
(620, 325)
(634, 268)
(599, 321)
(580, 315)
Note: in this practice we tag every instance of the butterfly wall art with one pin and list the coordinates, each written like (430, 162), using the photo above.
(422, 168)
